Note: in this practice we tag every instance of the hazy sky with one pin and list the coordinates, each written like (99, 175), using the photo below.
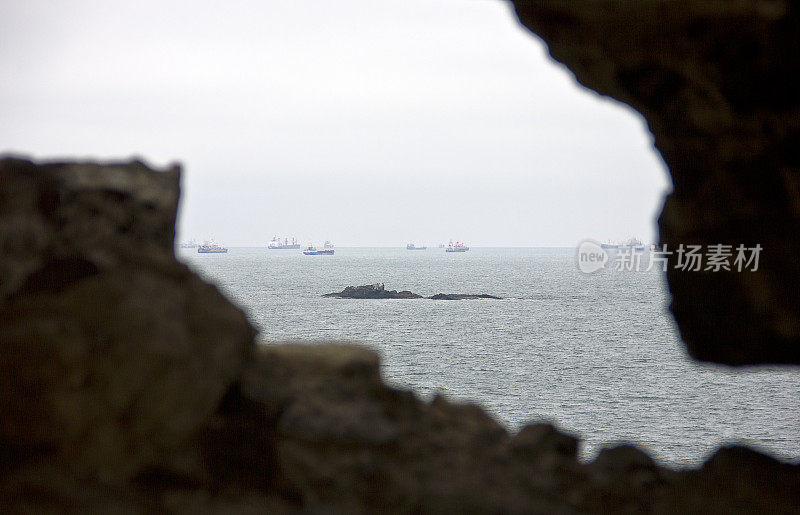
(363, 122)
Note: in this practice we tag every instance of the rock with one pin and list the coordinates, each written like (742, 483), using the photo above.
(462, 296)
(624, 458)
(536, 439)
(314, 426)
(719, 92)
(377, 291)
(344, 441)
(372, 291)
(621, 477)
(745, 480)
(113, 353)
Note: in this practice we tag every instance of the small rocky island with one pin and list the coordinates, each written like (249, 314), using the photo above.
(378, 291)
(372, 291)
(462, 296)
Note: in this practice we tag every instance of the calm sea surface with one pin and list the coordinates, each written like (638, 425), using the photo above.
(598, 354)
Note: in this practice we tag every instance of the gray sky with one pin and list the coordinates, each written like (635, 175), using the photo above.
(363, 122)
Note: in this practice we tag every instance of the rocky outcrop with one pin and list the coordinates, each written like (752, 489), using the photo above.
(462, 296)
(378, 291)
(716, 83)
(314, 429)
(340, 440)
(113, 353)
(372, 291)
(130, 386)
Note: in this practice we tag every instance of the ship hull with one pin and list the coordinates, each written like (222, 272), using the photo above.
(286, 247)
(318, 252)
(223, 251)
(456, 250)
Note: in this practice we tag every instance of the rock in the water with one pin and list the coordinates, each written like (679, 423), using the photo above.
(462, 296)
(377, 291)
(113, 353)
(372, 291)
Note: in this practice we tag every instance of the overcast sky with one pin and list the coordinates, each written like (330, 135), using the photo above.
(363, 122)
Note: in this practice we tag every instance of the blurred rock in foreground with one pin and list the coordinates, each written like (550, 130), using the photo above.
(717, 84)
(113, 353)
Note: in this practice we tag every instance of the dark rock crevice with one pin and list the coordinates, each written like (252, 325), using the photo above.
(715, 83)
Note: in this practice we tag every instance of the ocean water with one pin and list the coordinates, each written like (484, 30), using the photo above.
(599, 355)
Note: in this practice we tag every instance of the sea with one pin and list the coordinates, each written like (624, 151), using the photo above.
(598, 355)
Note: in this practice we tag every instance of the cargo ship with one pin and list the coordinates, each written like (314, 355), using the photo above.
(191, 244)
(630, 244)
(411, 246)
(326, 250)
(457, 247)
(277, 244)
(210, 247)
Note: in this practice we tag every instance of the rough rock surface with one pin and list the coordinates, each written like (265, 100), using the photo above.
(717, 85)
(378, 291)
(112, 351)
(342, 441)
(314, 429)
